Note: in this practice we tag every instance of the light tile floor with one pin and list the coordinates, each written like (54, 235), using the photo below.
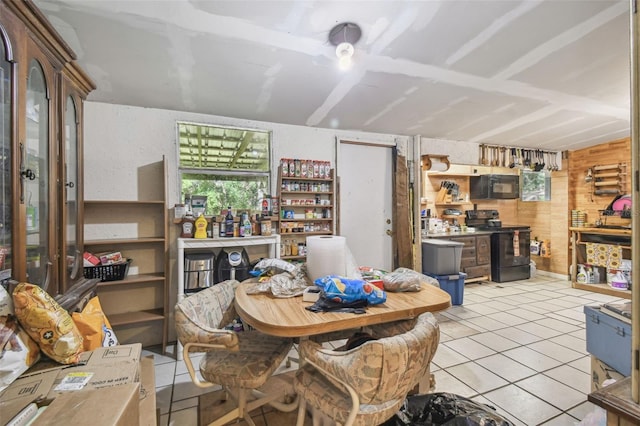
(518, 346)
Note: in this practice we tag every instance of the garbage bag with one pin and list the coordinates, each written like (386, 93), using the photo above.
(446, 409)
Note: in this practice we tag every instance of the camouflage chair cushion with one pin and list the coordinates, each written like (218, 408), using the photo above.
(382, 372)
(249, 357)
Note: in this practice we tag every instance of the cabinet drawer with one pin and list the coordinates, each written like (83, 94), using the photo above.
(466, 262)
(478, 271)
(468, 252)
(467, 241)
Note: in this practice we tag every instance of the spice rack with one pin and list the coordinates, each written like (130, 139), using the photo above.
(306, 207)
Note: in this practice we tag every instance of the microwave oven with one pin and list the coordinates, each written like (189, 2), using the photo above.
(494, 187)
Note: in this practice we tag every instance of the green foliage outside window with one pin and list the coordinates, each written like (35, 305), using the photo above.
(536, 186)
(230, 166)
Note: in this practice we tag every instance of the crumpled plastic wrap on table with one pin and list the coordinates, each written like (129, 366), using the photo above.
(445, 409)
(405, 279)
(281, 278)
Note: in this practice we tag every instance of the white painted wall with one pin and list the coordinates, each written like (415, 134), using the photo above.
(459, 152)
(118, 139)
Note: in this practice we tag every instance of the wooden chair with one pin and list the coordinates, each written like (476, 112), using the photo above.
(366, 385)
(239, 362)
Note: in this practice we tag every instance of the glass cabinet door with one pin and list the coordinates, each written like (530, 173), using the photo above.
(6, 183)
(35, 191)
(73, 257)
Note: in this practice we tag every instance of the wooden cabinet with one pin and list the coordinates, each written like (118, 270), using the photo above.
(41, 142)
(138, 305)
(476, 255)
(598, 247)
(307, 207)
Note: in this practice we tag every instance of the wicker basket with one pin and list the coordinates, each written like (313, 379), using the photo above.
(108, 272)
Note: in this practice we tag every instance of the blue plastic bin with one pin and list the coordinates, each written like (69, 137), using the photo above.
(452, 284)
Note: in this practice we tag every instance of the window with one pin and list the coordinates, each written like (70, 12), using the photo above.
(536, 186)
(230, 166)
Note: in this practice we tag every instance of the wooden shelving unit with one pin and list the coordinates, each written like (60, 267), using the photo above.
(318, 197)
(138, 305)
(618, 237)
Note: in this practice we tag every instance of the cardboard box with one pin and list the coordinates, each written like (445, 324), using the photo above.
(116, 405)
(600, 372)
(101, 368)
(90, 259)
(110, 258)
(147, 408)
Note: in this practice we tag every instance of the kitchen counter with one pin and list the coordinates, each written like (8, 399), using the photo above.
(457, 234)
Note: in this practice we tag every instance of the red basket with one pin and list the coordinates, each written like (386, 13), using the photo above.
(108, 272)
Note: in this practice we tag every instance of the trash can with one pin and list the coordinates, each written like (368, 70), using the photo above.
(441, 257)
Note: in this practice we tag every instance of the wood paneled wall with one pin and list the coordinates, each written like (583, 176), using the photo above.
(581, 195)
(550, 220)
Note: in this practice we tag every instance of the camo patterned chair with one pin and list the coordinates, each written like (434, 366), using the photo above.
(366, 385)
(238, 362)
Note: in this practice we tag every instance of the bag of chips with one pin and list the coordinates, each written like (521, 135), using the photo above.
(47, 323)
(18, 351)
(347, 290)
(94, 326)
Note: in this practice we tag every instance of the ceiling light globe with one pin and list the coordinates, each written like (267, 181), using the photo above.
(344, 63)
(344, 49)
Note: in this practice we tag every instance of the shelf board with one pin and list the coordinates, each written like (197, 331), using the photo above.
(123, 202)
(128, 318)
(603, 289)
(308, 206)
(118, 241)
(308, 179)
(306, 192)
(307, 220)
(134, 279)
(293, 257)
(293, 234)
(461, 203)
(442, 174)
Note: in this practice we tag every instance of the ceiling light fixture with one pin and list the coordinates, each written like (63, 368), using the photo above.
(344, 36)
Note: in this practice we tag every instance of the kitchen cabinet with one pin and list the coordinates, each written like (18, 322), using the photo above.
(307, 207)
(614, 242)
(42, 91)
(475, 259)
(137, 306)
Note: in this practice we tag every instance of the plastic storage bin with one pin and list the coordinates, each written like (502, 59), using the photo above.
(608, 339)
(452, 284)
(441, 257)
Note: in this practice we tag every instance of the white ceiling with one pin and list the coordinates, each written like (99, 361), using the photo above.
(550, 74)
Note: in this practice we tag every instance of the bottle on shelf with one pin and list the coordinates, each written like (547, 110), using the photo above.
(222, 228)
(228, 223)
(245, 225)
(200, 227)
(187, 226)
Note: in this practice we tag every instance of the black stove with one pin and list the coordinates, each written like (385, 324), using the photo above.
(483, 220)
(510, 245)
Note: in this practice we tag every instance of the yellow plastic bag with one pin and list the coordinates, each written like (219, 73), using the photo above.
(47, 323)
(18, 351)
(94, 326)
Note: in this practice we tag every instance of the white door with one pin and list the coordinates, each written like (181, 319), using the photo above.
(366, 188)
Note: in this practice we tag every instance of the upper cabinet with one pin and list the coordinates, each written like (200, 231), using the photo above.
(42, 93)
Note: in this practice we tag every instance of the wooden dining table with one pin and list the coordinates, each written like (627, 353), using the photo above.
(287, 317)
